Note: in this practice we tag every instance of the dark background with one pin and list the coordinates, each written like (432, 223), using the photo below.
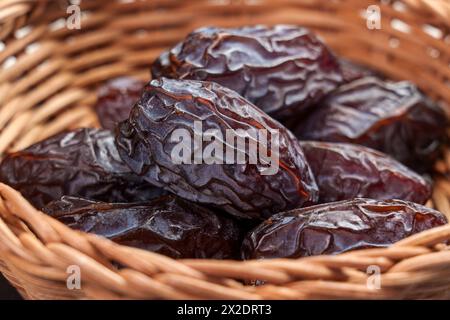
(6, 291)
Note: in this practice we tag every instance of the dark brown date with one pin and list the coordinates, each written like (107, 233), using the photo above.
(337, 227)
(82, 163)
(246, 189)
(283, 70)
(115, 100)
(344, 171)
(168, 225)
(394, 118)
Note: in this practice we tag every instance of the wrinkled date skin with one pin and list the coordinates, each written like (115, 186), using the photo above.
(83, 163)
(115, 100)
(394, 118)
(167, 225)
(344, 171)
(283, 70)
(337, 227)
(145, 144)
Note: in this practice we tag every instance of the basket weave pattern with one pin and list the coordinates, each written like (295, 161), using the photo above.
(48, 80)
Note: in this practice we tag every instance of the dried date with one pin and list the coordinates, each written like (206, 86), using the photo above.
(167, 225)
(246, 189)
(83, 163)
(115, 100)
(283, 69)
(394, 118)
(345, 171)
(337, 227)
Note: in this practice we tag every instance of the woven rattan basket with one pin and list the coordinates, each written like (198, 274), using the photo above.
(48, 79)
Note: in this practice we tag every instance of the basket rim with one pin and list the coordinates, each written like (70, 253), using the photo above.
(53, 247)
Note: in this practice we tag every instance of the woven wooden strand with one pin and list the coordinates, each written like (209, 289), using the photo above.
(53, 87)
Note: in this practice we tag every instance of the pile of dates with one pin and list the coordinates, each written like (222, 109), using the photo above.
(248, 143)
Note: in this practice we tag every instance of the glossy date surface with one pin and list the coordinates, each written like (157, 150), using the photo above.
(167, 225)
(284, 69)
(115, 100)
(344, 171)
(337, 227)
(145, 144)
(394, 118)
(83, 163)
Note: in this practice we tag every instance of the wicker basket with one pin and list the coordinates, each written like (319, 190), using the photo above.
(48, 82)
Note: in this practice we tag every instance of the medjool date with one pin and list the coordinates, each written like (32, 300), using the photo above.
(280, 179)
(337, 227)
(283, 69)
(394, 118)
(115, 100)
(167, 225)
(345, 171)
(83, 163)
